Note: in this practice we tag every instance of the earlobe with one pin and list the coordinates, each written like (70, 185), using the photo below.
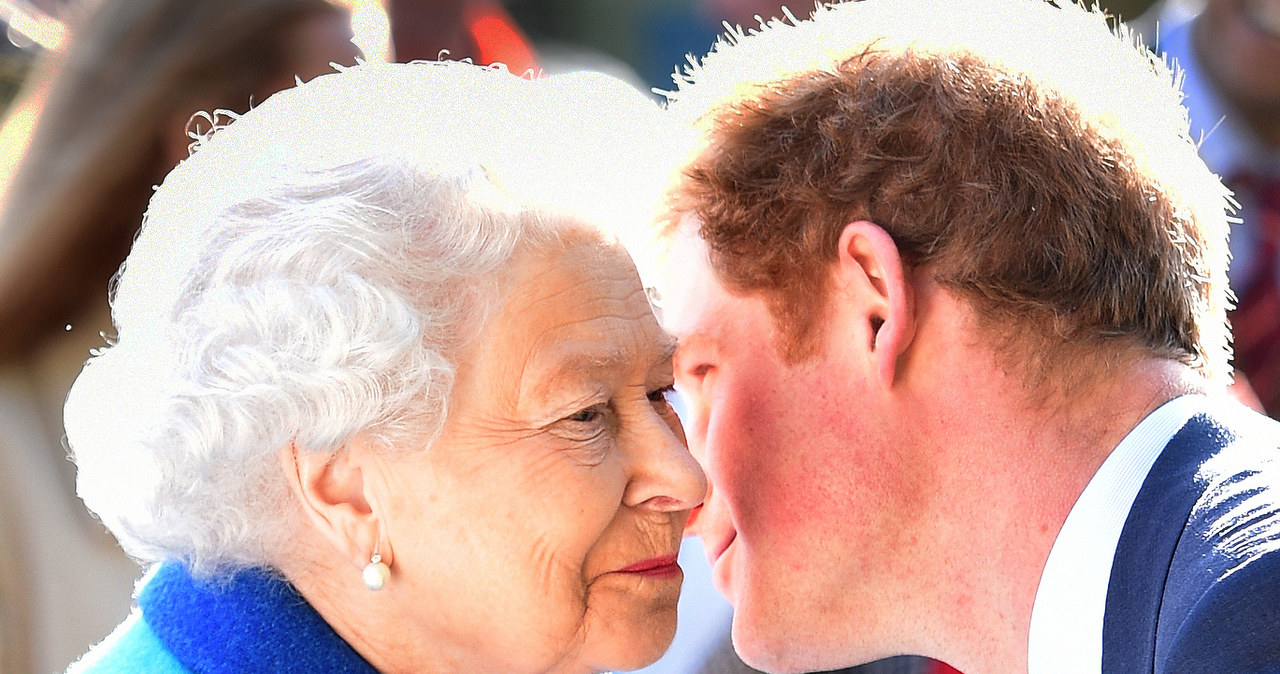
(333, 492)
(871, 269)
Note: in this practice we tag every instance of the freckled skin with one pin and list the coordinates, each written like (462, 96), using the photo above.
(783, 450)
(548, 478)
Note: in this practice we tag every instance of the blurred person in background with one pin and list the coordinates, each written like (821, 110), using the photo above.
(1229, 53)
(98, 122)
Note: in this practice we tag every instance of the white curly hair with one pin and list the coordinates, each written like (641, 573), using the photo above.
(307, 273)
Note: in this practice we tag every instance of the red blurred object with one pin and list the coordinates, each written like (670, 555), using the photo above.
(498, 39)
(477, 30)
(1256, 321)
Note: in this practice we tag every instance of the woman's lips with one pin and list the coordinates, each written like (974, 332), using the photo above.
(665, 566)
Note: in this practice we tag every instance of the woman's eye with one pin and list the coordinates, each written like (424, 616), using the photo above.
(585, 428)
(667, 400)
(587, 416)
(662, 395)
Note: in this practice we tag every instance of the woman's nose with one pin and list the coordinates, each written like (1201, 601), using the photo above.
(665, 475)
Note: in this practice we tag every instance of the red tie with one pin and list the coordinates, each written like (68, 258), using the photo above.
(1255, 322)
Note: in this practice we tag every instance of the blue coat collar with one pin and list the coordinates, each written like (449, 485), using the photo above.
(253, 622)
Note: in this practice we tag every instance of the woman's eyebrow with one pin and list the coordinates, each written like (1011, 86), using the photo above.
(571, 362)
(667, 348)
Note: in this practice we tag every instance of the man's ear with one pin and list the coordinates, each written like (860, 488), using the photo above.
(870, 269)
(334, 493)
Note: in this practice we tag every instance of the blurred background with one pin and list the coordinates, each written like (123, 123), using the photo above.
(651, 37)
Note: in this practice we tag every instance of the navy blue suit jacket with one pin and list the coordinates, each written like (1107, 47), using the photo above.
(1195, 582)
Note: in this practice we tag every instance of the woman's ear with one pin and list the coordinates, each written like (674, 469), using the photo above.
(870, 269)
(334, 494)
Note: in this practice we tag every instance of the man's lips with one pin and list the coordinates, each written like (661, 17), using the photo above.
(714, 552)
(657, 567)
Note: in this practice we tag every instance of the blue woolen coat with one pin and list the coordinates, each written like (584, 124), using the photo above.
(253, 622)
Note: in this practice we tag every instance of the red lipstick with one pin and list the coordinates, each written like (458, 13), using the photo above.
(665, 566)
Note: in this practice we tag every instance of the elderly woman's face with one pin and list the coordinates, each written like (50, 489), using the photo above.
(540, 532)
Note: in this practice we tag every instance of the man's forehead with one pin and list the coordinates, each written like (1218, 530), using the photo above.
(689, 287)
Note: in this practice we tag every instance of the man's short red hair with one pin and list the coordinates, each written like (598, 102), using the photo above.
(1063, 221)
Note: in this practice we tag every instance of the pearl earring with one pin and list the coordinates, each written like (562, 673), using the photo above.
(376, 573)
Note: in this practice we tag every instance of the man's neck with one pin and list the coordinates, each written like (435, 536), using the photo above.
(1010, 473)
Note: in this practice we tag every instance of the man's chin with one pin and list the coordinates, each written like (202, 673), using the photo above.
(764, 653)
(759, 635)
(771, 641)
(762, 634)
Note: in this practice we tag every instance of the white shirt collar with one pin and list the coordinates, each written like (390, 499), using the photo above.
(1066, 619)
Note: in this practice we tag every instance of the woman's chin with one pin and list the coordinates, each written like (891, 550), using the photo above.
(633, 646)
